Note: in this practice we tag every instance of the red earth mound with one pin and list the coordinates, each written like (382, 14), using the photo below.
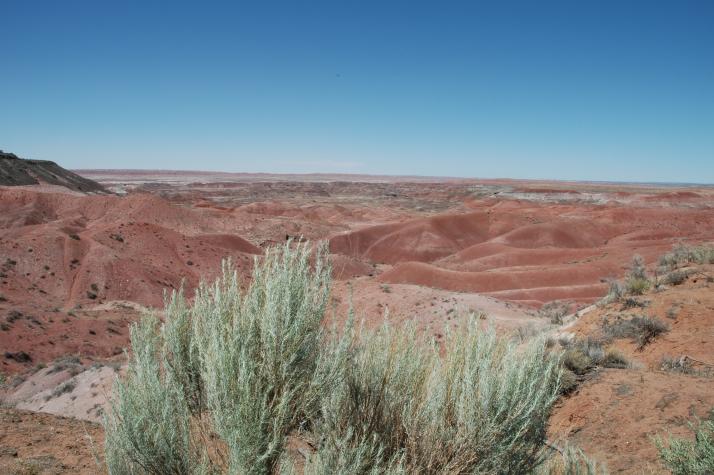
(63, 255)
(526, 251)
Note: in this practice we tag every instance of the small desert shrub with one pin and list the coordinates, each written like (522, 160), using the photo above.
(614, 359)
(636, 281)
(572, 461)
(568, 382)
(682, 255)
(672, 312)
(615, 292)
(684, 365)
(649, 329)
(636, 286)
(72, 363)
(676, 277)
(526, 332)
(631, 302)
(66, 387)
(223, 382)
(554, 311)
(685, 456)
(641, 330)
(575, 360)
(676, 365)
(582, 356)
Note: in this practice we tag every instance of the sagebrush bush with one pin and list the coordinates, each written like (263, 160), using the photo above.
(555, 311)
(572, 461)
(689, 457)
(641, 329)
(614, 359)
(682, 254)
(223, 383)
(148, 426)
(615, 292)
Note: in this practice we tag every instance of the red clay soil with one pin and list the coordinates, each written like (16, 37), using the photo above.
(525, 251)
(68, 265)
(616, 413)
(62, 254)
(32, 442)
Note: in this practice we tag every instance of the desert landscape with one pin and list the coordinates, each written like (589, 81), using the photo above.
(78, 267)
(357, 238)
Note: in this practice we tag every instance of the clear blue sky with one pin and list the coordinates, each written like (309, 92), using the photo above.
(598, 90)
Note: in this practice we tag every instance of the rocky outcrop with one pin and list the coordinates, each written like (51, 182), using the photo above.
(15, 171)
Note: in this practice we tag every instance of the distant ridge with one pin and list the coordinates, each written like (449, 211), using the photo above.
(16, 171)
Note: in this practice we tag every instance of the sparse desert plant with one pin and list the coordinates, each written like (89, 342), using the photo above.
(575, 360)
(672, 312)
(66, 387)
(676, 277)
(614, 359)
(572, 461)
(683, 364)
(568, 382)
(555, 311)
(689, 457)
(637, 286)
(676, 365)
(632, 302)
(224, 381)
(641, 329)
(581, 355)
(615, 292)
(682, 254)
(636, 281)
(72, 363)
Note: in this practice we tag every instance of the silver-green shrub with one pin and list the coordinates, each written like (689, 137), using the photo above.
(226, 380)
(690, 457)
(682, 254)
(259, 351)
(572, 461)
(148, 426)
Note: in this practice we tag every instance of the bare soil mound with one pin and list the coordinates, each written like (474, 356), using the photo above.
(526, 251)
(63, 255)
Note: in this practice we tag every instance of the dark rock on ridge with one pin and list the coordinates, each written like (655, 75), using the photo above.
(16, 171)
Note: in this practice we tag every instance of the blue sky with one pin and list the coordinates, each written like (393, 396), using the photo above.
(620, 90)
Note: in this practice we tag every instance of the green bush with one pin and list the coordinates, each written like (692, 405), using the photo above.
(222, 383)
(690, 457)
(637, 286)
(682, 254)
